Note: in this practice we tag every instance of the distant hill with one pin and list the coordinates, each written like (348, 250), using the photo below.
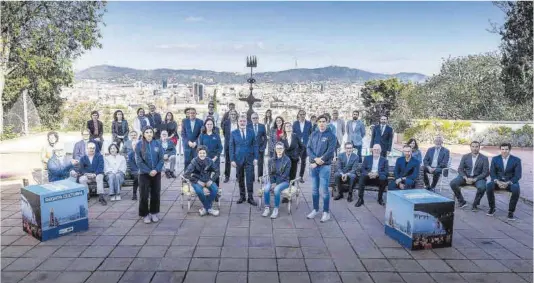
(332, 73)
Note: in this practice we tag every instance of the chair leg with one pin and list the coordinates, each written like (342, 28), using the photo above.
(289, 206)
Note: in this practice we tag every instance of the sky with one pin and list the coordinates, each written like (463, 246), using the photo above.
(382, 37)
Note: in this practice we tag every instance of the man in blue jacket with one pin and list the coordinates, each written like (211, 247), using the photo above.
(134, 170)
(436, 159)
(303, 129)
(505, 173)
(375, 171)
(261, 139)
(406, 171)
(347, 163)
(382, 135)
(59, 168)
(228, 126)
(92, 170)
(191, 127)
(244, 156)
(321, 149)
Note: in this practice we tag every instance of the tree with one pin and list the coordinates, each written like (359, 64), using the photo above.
(517, 53)
(38, 42)
(380, 97)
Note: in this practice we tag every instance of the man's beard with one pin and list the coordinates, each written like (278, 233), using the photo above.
(354, 118)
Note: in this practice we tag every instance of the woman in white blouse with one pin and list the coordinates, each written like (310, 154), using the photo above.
(115, 169)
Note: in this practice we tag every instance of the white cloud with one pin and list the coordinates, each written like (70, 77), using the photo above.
(194, 19)
(177, 46)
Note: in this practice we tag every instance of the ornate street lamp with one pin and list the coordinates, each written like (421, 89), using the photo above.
(252, 63)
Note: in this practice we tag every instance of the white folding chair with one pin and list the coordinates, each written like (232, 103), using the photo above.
(444, 180)
(292, 193)
(189, 192)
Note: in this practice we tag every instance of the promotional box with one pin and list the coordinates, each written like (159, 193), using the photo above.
(54, 209)
(419, 219)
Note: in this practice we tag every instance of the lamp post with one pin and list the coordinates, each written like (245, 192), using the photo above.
(252, 63)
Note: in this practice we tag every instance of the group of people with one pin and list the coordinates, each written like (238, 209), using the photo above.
(246, 142)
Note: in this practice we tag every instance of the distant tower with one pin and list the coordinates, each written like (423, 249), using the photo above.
(296, 64)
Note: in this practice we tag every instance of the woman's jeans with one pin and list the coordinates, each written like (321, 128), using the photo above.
(321, 178)
(277, 192)
(115, 181)
(206, 201)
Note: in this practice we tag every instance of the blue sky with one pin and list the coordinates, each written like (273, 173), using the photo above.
(387, 37)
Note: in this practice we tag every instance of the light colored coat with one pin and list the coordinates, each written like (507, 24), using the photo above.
(355, 136)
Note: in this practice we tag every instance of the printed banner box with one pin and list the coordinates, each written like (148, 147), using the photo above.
(54, 209)
(419, 219)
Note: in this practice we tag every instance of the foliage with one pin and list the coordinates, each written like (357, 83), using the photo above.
(8, 134)
(215, 102)
(380, 98)
(39, 40)
(453, 132)
(77, 115)
(467, 88)
(516, 47)
(502, 134)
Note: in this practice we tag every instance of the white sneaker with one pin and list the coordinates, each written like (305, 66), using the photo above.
(326, 217)
(213, 212)
(312, 214)
(266, 211)
(112, 198)
(147, 219)
(155, 218)
(202, 211)
(275, 213)
(118, 197)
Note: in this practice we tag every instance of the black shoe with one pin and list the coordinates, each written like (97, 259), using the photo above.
(226, 179)
(134, 197)
(241, 200)
(252, 202)
(462, 204)
(511, 216)
(172, 175)
(102, 200)
(167, 174)
(285, 200)
(381, 202)
(491, 211)
(359, 202)
(474, 208)
(217, 198)
(338, 197)
(301, 180)
(349, 198)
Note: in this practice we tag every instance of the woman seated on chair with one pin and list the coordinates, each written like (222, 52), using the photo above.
(279, 170)
(202, 173)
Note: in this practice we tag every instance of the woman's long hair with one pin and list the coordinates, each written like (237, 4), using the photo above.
(284, 135)
(204, 129)
(144, 141)
(416, 147)
(268, 118)
(115, 118)
(275, 127)
(172, 117)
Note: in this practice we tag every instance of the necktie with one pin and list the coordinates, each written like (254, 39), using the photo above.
(256, 129)
(242, 134)
(382, 131)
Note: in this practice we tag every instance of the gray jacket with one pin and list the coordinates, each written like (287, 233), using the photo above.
(481, 171)
(355, 136)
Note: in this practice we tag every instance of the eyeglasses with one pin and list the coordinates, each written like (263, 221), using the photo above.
(279, 148)
(91, 147)
(254, 118)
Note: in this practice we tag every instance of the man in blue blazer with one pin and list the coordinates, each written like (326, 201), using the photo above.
(382, 135)
(436, 159)
(244, 156)
(406, 171)
(190, 131)
(228, 125)
(375, 170)
(347, 164)
(92, 170)
(473, 170)
(505, 172)
(303, 129)
(261, 139)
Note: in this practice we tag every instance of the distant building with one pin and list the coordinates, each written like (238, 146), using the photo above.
(198, 91)
(164, 83)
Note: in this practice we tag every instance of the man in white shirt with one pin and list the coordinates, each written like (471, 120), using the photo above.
(436, 159)
(375, 170)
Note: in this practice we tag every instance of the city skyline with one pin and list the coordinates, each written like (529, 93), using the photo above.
(379, 37)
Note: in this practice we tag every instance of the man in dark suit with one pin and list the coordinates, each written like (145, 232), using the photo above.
(436, 159)
(303, 129)
(382, 135)
(261, 139)
(96, 130)
(505, 172)
(375, 170)
(347, 164)
(244, 156)
(406, 171)
(226, 116)
(473, 170)
(229, 125)
(155, 121)
(191, 127)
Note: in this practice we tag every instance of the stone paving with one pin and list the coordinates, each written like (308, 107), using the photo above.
(241, 246)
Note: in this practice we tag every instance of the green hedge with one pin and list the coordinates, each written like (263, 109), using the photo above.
(497, 135)
(424, 131)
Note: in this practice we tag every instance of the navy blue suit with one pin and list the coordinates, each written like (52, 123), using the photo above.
(409, 171)
(243, 152)
(512, 174)
(443, 162)
(346, 165)
(385, 140)
(304, 137)
(381, 181)
(188, 135)
(262, 139)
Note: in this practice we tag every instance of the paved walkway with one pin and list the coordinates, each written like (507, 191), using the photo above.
(242, 246)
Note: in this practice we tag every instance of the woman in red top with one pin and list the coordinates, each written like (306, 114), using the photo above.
(276, 132)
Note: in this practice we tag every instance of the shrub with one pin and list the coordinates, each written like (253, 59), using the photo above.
(497, 135)
(424, 131)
